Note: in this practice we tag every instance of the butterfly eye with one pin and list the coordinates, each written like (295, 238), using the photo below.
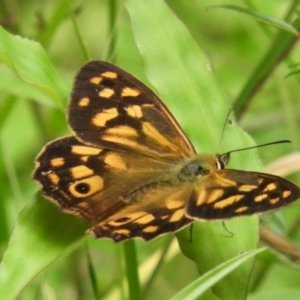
(220, 164)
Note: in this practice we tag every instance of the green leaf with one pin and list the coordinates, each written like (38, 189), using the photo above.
(291, 293)
(278, 50)
(184, 77)
(28, 60)
(277, 23)
(41, 235)
(203, 283)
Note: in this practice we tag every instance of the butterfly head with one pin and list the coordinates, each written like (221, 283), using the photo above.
(202, 165)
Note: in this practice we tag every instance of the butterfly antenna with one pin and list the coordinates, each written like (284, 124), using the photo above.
(227, 154)
(224, 126)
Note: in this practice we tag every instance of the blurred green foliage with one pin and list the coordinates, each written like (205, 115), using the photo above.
(73, 32)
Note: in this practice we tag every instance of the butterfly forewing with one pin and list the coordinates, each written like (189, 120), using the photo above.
(111, 109)
(229, 193)
(131, 170)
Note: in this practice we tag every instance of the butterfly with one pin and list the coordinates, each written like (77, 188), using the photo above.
(131, 171)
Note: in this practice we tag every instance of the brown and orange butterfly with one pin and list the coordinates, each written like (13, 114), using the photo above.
(131, 171)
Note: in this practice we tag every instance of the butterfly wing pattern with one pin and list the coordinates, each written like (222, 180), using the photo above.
(131, 171)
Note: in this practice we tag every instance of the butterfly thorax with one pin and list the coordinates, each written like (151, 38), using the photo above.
(200, 166)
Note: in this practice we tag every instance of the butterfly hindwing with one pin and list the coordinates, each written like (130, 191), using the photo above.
(160, 209)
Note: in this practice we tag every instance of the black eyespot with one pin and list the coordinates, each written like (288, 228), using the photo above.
(82, 188)
(107, 83)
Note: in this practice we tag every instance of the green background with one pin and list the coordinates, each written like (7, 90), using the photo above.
(198, 60)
